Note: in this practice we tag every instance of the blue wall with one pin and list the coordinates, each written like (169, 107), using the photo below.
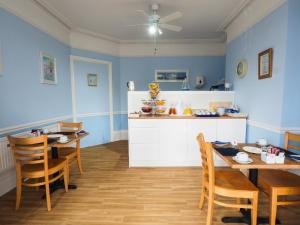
(142, 70)
(291, 103)
(23, 98)
(272, 102)
(90, 99)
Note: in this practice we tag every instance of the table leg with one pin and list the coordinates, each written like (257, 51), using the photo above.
(246, 213)
(58, 184)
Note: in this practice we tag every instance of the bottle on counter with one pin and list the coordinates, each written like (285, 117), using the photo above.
(172, 110)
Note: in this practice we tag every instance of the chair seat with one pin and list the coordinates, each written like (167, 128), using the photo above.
(278, 179)
(37, 170)
(68, 152)
(233, 183)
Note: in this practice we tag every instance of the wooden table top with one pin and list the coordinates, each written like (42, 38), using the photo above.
(257, 162)
(72, 138)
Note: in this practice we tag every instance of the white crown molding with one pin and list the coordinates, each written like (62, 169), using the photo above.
(255, 11)
(32, 13)
(91, 43)
(55, 13)
(164, 49)
(234, 13)
(11, 129)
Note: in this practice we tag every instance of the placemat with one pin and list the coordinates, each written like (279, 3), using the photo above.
(227, 151)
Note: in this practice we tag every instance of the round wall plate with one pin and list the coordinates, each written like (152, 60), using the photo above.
(242, 68)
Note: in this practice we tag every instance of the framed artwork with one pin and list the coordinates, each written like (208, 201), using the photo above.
(242, 68)
(265, 64)
(48, 69)
(92, 79)
(171, 75)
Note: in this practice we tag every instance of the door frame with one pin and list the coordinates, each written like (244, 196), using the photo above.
(74, 58)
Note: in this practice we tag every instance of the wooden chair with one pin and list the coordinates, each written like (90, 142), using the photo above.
(278, 183)
(71, 153)
(225, 183)
(33, 168)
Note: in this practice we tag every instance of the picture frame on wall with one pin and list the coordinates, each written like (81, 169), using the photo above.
(48, 67)
(171, 75)
(92, 79)
(265, 64)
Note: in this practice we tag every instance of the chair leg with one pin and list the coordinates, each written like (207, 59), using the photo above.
(79, 164)
(254, 209)
(273, 206)
(238, 201)
(47, 189)
(66, 177)
(210, 209)
(18, 192)
(202, 198)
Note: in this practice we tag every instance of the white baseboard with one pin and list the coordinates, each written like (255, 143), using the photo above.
(120, 135)
(7, 181)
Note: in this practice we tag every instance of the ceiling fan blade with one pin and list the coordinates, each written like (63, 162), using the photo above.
(134, 25)
(170, 27)
(173, 16)
(143, 12)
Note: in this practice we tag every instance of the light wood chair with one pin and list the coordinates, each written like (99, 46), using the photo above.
(225, 183)
(71, 153)
(33, 168)
(278, 183)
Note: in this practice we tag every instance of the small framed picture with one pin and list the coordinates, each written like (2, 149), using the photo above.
(171, 75)
(242, 68)
(265, 64)
(92, 79)
(48, 64)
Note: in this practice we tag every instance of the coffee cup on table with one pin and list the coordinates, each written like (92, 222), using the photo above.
(242, 156)
(63, 139)
(262, 142)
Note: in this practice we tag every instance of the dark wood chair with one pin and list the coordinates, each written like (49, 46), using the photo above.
(33, 168)
(226, 183)
(278, 183)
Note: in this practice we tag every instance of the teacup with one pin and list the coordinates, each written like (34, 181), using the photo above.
(262, 142)
(63, 139)
(242, 156)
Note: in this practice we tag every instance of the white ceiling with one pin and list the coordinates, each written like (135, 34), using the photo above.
(202, 19)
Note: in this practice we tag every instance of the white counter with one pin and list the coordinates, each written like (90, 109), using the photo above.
(172, 142)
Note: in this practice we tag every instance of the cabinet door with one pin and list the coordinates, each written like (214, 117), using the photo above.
(143, 154)
(172, 141)
(194, 127)
(231, 130)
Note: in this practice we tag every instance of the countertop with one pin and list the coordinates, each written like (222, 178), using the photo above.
(182, 117)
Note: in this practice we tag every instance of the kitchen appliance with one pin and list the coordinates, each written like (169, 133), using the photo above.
(130, 85)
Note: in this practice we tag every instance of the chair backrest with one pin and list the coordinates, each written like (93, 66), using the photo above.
(32, 150)
(208, 168)
(70, 127)
(292, 142)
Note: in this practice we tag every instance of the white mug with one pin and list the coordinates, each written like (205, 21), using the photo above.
(63, 139)
(262, 142)
(130, 85)
(221, 111)
(242, 156)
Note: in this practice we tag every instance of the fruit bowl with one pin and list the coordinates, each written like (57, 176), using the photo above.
(160, 102)
(146, 109)
(160, 110)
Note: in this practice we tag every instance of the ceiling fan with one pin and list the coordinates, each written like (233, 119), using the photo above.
(156, 23)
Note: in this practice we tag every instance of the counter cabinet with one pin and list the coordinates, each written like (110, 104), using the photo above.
(165, 142)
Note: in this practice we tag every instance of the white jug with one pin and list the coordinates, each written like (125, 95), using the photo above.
(130, 85)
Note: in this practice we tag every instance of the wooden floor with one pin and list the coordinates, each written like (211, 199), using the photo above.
(110, 193)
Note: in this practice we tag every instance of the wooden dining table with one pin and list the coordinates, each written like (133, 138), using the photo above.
(253, 168)
(55, 145)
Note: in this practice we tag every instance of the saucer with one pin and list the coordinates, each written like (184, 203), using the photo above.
(54, 135)
(63, 142)
(242, 162)
(251, 149)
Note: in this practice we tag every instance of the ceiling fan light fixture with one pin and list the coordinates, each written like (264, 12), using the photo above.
(152, 29)
(160, 31)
